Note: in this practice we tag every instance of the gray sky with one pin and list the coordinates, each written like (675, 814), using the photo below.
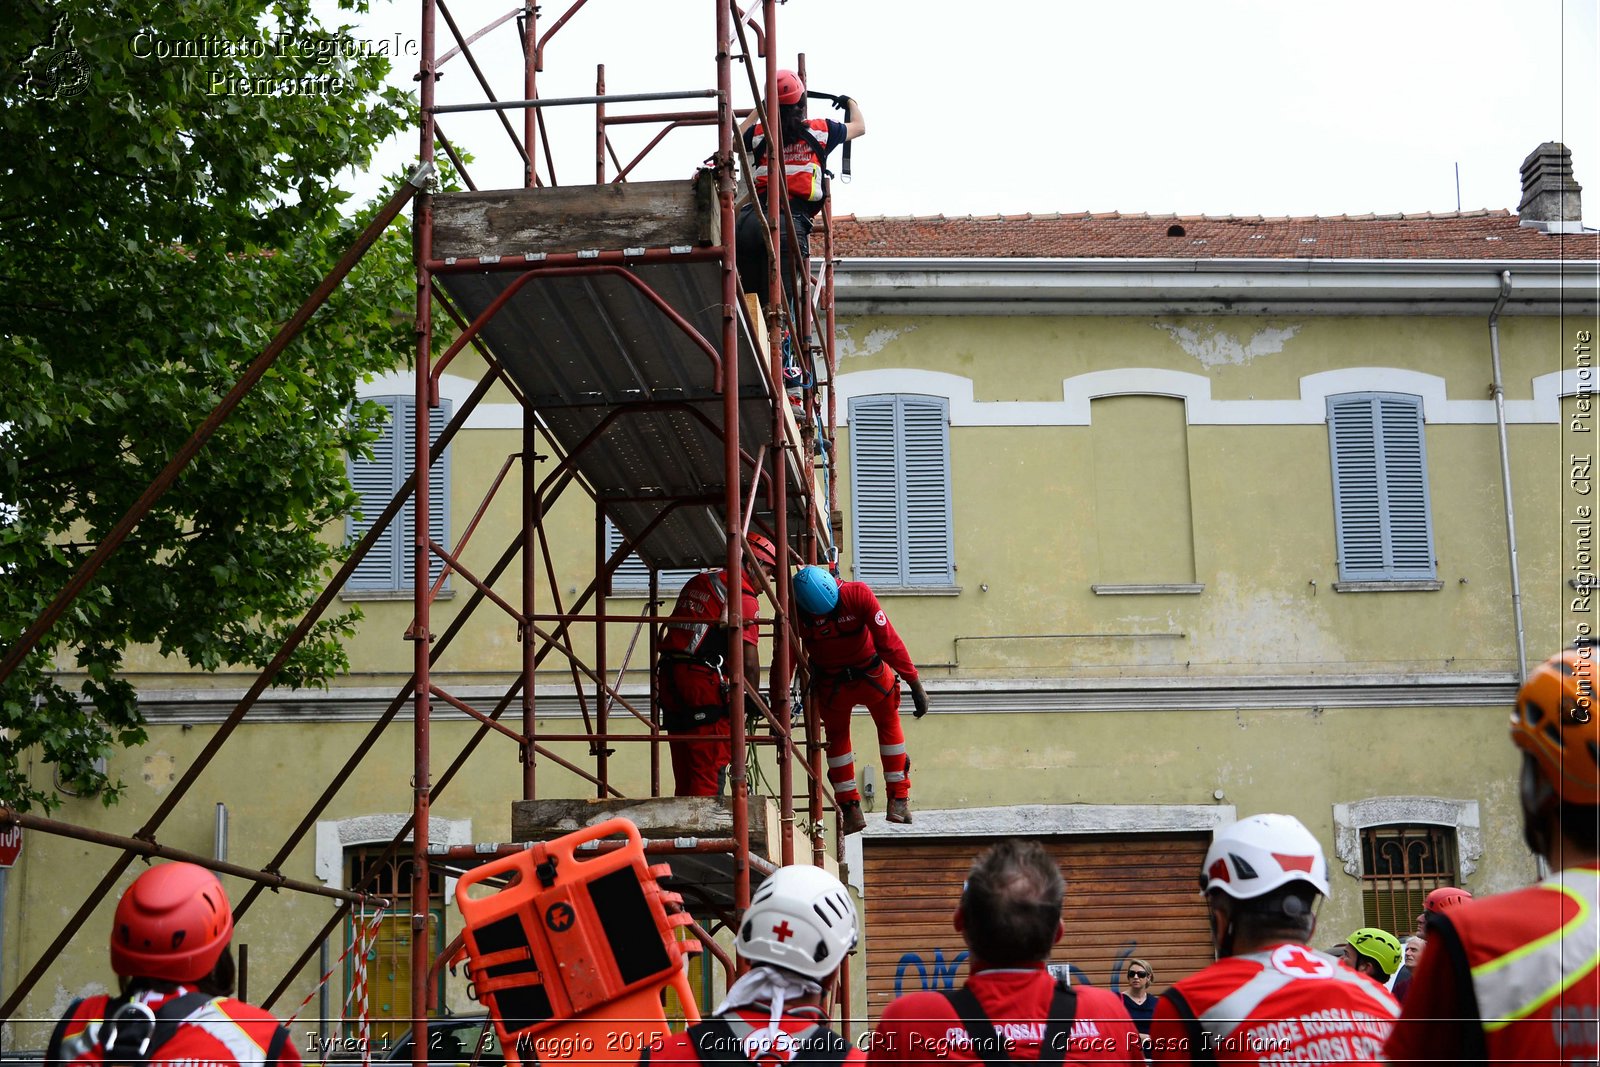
(1212, 107)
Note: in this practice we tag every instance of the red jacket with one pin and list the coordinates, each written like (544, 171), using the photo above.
(924, 1028)
(1521, 970)
(222, 1032)
(1284, 1004)
(750, 1032)
(852, 633)
(704, 599)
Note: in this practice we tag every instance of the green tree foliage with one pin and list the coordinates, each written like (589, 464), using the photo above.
(157, 223)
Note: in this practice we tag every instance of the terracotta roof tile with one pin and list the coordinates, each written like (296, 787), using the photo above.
(1425, 235)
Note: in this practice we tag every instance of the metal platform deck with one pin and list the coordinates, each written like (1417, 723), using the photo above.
(615, 382)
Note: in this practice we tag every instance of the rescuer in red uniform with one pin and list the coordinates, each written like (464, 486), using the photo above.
(796, 934)
(1513, 978)
(855, 657)
(1009, 1008)
(691, 679)
(169, 945)
(1269, 998)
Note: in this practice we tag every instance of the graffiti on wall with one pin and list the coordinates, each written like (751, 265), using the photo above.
(915, 973)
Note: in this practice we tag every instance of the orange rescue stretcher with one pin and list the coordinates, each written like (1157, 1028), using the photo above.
(571, 958)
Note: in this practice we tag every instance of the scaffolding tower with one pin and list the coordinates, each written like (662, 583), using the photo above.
(612, 313)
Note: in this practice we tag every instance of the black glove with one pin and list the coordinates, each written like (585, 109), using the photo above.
(920, 699)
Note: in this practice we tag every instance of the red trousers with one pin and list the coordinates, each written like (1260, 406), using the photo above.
(879, 693)
(696, 765)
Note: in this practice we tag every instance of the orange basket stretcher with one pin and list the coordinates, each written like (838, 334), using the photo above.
(572, 956)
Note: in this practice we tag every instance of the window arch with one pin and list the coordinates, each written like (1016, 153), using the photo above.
(1401, 848)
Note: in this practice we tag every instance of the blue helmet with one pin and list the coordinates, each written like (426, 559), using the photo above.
(815, 590)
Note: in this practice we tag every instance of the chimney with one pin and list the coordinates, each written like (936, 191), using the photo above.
(1551, 200)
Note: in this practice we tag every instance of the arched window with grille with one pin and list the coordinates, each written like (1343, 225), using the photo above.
(1401, 864)
(388, 958)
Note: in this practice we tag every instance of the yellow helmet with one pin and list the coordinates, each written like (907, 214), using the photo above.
(1379, 946)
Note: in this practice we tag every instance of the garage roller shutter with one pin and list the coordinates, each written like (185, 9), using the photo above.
(1127, 895)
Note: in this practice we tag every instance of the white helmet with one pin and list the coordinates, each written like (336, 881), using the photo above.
(1254, 856)
(801, 919)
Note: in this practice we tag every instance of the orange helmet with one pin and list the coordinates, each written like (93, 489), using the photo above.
(172, 923)
(763, 550)
(1444, 898)
(1554, 722)
(790, 88)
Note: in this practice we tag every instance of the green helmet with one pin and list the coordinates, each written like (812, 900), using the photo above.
(1379, 946)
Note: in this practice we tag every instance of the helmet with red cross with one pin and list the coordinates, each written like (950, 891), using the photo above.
(801, 919)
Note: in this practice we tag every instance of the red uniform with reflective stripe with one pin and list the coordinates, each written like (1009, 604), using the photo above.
(1521, 970)
(1285, 1004)
(687, 686)
(854, 632)
(704, 599)
(801, 167)
(923, 1027)
(679, 1048)
(854, 655)
(222, 1033)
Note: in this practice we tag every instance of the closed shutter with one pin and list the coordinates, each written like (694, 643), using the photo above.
(925, 437)
(390, 566)
(377, 481)
(874, 491)
(632, 575)
(1380, 487)
(1127, 896)
(900, 491)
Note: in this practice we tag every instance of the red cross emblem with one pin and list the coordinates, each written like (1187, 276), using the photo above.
(1295, 960)
(783, 931)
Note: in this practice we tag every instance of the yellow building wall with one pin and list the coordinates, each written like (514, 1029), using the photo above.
(1030, 540)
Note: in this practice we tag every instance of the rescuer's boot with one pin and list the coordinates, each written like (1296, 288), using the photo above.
(899, 809)
(851, 821)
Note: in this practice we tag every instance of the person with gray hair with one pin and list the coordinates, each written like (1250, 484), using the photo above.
(1009, 1008)
(1269, 998)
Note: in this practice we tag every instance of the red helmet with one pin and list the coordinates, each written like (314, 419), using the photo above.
(1555, 722)
(763, 550)
(1444, 898)
(172, 923)
(791, 90)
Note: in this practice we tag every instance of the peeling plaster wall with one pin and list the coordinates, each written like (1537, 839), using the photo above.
(1214, 346)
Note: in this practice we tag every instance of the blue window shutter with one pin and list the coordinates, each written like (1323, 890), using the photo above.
(1380, 487)
(632, 575)
(438, 490)
(376, 480)
(389, 566)
(925, 473)
(875, 491)
(900, 490)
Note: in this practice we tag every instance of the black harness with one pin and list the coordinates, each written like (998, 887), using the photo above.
(131, 1033)
(721, 1041)
(992, 1049)
(1200, 1044)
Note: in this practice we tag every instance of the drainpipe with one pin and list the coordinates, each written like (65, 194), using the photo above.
(1505, 474)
